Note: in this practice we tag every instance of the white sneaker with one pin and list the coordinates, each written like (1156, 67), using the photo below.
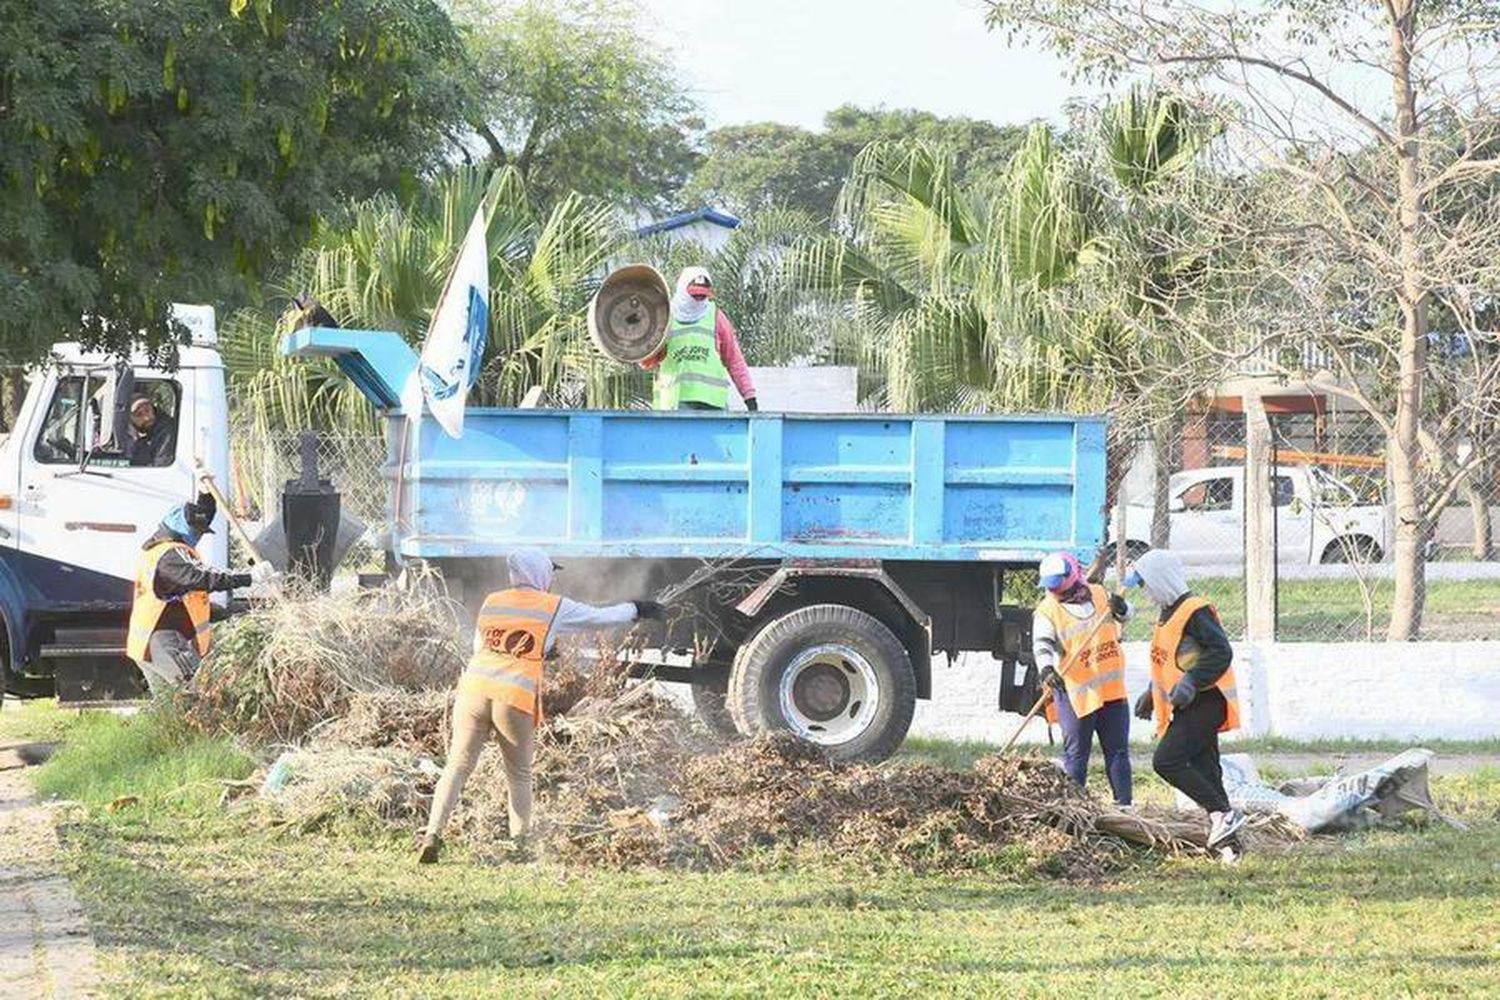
(1224, 825)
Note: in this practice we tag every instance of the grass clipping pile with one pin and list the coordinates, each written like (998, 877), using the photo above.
(359, 686)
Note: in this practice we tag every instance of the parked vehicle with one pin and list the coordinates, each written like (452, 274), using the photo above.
(74, 510)
(877, 541)
(1319, 519)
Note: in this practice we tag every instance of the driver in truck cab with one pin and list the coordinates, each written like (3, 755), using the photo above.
(701, 355)
(170, 612)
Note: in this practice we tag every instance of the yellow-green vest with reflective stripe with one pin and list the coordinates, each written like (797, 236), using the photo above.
(146, 608)
(691, 371)
(510, 641)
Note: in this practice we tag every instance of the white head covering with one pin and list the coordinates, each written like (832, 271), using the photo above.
(530, 567)
(685, 308)
(1163, 576)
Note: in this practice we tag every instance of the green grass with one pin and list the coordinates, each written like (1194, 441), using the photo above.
(1334, 610)
(149, 756)
(37, 720)
(188, 901)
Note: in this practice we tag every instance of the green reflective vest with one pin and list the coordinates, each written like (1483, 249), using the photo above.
(691, 371)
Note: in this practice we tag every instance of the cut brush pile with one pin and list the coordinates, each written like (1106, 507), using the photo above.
(361, 684)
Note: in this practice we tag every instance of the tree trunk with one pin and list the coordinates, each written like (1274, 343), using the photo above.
(1412, 299)
(1163, 443)
(1479, 510)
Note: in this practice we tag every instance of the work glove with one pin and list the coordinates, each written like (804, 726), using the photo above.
(1053, 680)
(1182, 693)
(752, 405)
(650, 610)
(1143, 706)
(1118, 607)
(263, 572)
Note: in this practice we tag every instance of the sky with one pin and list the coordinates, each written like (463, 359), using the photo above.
(793, 60)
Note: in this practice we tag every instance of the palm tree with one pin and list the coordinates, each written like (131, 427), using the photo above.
(382, 267)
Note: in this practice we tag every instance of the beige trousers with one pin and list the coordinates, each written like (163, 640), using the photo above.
(474, 718)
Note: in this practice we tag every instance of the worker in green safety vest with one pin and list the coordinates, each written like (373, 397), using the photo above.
(701, 355)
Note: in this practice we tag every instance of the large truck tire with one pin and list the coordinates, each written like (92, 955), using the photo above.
(830, 674)
(713, 710)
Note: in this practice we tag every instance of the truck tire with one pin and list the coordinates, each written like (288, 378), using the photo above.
(831, 675)
(714, 711)
(1362, 548)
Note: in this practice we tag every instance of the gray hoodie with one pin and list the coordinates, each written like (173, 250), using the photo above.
(1205, 651)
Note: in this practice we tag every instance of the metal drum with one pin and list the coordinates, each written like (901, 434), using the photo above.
(628, 315)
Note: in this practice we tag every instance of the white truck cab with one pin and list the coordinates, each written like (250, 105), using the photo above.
(1319, 519)
(77, 500)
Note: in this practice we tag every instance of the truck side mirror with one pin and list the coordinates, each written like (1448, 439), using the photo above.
(119, 390)
(1176, 505)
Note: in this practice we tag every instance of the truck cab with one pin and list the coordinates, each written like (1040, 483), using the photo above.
(78, 499)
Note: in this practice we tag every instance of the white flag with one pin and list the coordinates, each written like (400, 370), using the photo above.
(454, 347)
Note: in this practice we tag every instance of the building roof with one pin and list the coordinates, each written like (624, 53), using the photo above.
(705, 214)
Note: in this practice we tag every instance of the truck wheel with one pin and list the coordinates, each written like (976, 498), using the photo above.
(1362, 548)
(830, 674)
(714, 711)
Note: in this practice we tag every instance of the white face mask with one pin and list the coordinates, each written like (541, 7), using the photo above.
(685, 308)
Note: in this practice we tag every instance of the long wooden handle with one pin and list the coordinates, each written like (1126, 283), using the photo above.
(1047, 692)
(234, 522)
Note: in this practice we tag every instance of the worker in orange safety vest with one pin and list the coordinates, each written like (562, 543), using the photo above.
(1075, 641)
(170, 612)
(1193, 696)
(501, 689)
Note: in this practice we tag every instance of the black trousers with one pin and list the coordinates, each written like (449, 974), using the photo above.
(1187, 756)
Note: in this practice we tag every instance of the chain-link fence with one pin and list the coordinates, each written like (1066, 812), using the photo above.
(1331, 526)
(262, 464)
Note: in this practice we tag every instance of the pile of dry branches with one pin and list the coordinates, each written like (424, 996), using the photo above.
(287, 665)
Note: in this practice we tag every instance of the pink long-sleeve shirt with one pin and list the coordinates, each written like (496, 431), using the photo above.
(729, 353)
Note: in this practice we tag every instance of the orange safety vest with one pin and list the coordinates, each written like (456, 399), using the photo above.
(1166, 671)
(146, 608)
(510, 640)
(1093, 672)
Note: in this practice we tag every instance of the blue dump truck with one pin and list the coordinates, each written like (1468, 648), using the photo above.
(867, 544)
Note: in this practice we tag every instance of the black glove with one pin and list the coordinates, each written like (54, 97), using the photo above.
(1053, 680)
(1182, 693)
(1143, 706)
(1118, 607)
(651, 610)
(752, 405)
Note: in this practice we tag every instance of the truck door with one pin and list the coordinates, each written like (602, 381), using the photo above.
(86, 503)
(1295, 508)
(1206, 524)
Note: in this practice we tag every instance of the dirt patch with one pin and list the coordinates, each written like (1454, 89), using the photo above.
(46, 950)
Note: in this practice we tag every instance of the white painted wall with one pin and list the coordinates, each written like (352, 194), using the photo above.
(1300, 690)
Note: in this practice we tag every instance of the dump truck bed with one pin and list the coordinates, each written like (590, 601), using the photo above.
(706, 485)
(610, 484)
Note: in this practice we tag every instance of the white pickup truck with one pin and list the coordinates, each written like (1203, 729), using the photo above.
(1319, 519)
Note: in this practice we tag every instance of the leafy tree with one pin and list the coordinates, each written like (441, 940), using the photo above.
(382, 265)
(748, 167)
(1371, 121)
(574, 95)
(179, 149)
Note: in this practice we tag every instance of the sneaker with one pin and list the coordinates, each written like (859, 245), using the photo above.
(428, 853)
(1224, 825)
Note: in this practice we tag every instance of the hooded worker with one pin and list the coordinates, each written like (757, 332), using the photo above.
(501, 689)
(1075, 641)
(170, 612)
(1192, 694)
(701, 355)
